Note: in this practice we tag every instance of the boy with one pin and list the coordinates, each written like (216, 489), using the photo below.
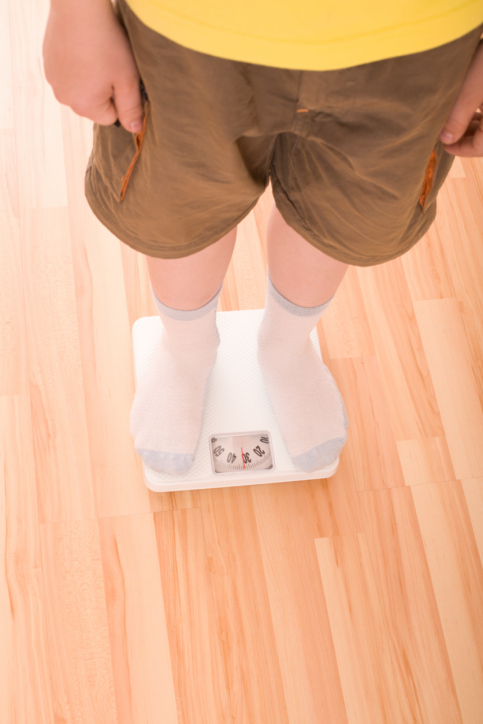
(345, 107)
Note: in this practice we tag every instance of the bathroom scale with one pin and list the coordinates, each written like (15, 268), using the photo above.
(240, 442)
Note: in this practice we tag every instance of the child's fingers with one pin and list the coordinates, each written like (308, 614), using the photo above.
(104, 113)
(469, 98)
(127, 99)
(471, 144)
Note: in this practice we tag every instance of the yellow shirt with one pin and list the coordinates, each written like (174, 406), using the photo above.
(310, 34)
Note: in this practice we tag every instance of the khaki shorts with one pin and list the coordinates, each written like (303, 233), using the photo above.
(353, 155)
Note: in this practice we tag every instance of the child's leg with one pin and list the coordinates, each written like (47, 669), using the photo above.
(190, 282)
(297, 269)
(307, 403)
(167, 411)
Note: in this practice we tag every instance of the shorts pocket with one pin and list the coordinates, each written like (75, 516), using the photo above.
(115, 153)
(428, 180)
(138, 140)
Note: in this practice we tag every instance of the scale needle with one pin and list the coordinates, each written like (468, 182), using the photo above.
(243, 461)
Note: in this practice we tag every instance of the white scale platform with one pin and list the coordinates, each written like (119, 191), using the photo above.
(236, 402)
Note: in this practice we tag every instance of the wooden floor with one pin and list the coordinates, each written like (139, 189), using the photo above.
(354, 599)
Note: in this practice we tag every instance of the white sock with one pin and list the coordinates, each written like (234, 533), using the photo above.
(167, 411)
(307, 403)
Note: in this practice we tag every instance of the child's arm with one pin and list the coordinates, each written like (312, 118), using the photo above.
(463, 130)
(89, 63)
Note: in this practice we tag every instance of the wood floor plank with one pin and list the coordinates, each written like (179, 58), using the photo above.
(27, 25)
(407, 381)
(457, 577)
(426, 269)
(143, 678)
(40, 153)
(373, 692)
(195, 648)
(290, 516)
(25, 692)
(473, 490)
(345, 324)
(459, 222)
(6, 90)
(415, 635)
(427, 460)
(24, 660)
(78, 633)
(454, 376)
(61, 440)
(371, 443)
(14, 372)
(457, 170)
(243, 616)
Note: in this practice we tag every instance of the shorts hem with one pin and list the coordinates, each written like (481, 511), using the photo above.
(134, 242)
(291, 215)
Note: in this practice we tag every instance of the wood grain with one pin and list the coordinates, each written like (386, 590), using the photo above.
(409, 609)
(80, 655)
(197, 662)
(449, 357)
(457, 577)
(25, 665)
(372, 689)
(138, 633)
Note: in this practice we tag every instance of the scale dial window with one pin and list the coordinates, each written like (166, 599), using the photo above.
(241, 452)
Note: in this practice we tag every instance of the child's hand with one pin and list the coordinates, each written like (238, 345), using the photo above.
(89, 63)
(463, 130)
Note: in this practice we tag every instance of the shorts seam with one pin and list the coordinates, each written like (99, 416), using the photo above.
(279, 186)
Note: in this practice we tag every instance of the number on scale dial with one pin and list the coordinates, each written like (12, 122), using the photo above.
(241, 452)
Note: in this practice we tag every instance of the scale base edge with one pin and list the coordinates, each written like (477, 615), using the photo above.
(236, 361)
